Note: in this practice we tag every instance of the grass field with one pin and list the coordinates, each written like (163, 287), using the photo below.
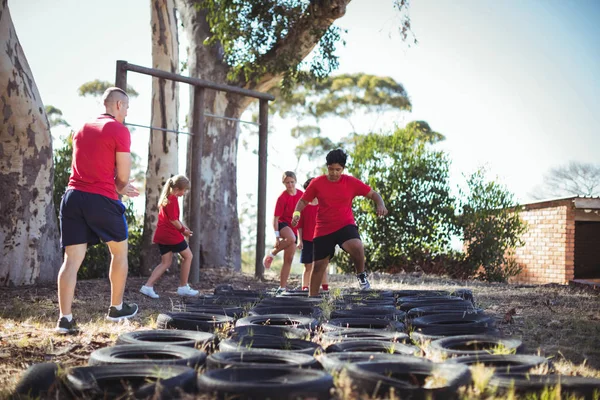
(558, 322)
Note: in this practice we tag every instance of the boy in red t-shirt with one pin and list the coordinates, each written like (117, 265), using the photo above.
(335, 221)
(286, 235)
(306, 232)
(169, 236)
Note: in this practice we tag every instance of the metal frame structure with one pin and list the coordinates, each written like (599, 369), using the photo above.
(197, 132)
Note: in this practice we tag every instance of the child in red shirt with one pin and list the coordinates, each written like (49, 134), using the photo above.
(169, 236)
(306, 232)
(286, 236)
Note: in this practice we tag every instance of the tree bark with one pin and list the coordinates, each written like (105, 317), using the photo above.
(28, 226)
(163, 146)
(220, 238)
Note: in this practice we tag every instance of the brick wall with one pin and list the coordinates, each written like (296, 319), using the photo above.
(548, 253)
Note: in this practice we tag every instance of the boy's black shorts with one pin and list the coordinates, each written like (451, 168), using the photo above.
(324, 246)
(306, 256)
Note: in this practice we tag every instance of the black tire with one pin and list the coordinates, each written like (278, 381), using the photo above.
(306, 311)
(266, 383)
(192, 321)
(407, 306)
(337, 324)
(261, 358)
(222, 300)
(408, 378)
(502, 364)
(373, 346)
(588, 388)
(148, 354)
(284, 301)
(167, 336)
(335, 362)
(213, 309)
(372, 312)
(365, 334)
(442, 309)
(261, 342)
(421, 338)
(266, 330)
(131, 381)
(452, 324)
(471, 345)
(419, 293)
(465, 294)
(283, 322)
(38, 381)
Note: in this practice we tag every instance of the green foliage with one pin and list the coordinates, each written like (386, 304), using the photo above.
(413, 180)
(491, 228)
(97, 259)
(251, 33)
(55, 116)
(97, 87)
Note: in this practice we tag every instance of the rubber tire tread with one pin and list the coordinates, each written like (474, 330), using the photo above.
(148, 354)
(261, 358)
(262, 342)
(192, 321)
(266, 383)
(167, 336)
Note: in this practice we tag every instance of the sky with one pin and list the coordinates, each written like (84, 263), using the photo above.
(514, 85)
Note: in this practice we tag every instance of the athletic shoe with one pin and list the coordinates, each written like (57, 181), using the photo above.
(363, 282)
(267, 261)
(64, 326)
(126, 311)
(279, 291)
(187, 291)
(149, 291)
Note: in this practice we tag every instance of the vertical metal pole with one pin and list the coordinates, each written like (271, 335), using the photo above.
(195, 178)
(263, 130)
(121, 75)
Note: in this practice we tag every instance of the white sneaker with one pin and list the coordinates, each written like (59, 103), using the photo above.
(149, 291)
(187, 291)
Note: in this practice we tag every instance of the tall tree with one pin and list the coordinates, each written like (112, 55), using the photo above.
(255, 45)
(163, 146)
(572, 179)
(28, 225)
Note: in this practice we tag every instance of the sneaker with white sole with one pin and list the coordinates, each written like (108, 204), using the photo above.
(363, 282)
(279, 291)
(126, 311)
(66, 327)
(149, 291)
(187, 291)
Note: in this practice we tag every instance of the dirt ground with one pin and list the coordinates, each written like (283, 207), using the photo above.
(561, 322)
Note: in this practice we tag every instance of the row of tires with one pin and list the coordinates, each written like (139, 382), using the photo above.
(296, 354)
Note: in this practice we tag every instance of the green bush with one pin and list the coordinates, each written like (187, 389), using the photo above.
(97, 259)
(491, 228)
(413, 180)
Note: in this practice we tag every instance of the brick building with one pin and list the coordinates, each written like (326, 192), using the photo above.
(562, 242)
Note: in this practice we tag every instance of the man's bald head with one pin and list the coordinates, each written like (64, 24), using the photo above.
(116, 103)
(114, 94)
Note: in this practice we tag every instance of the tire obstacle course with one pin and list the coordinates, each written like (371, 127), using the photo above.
(253, 345)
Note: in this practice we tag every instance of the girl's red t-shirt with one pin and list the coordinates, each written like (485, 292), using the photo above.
(335, 201)
(166, 233)
(308, 221)
(284, 209)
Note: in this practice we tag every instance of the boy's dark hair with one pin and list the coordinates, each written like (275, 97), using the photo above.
(337, 156)
(305, 185)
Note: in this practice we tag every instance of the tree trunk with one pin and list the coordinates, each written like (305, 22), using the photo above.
(163, 146)
(28, 227)
(220, 237)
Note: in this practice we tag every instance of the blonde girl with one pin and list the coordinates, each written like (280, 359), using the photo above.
(171, 236)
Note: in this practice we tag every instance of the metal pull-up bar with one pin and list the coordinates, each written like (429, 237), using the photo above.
(197, 135)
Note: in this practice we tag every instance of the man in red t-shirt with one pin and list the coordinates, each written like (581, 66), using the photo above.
(90, 209)
(335, 221)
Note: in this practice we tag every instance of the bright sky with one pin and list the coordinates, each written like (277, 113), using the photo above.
(512, 84)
